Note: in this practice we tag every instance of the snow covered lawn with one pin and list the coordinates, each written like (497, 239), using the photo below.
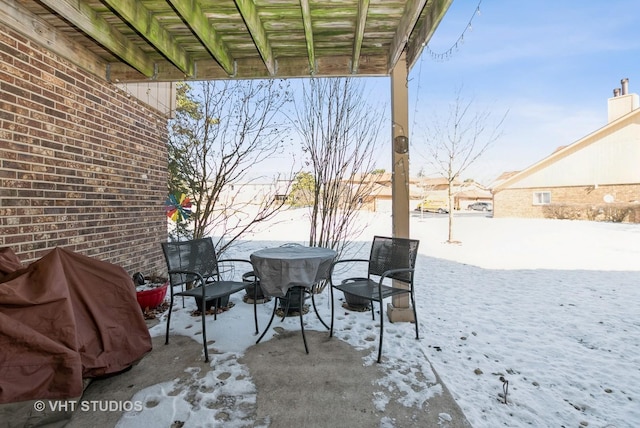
(547, 311)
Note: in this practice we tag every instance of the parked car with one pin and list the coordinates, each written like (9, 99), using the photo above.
(479, 206)
(434, 206)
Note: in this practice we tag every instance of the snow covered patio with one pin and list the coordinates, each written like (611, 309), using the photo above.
(550, 306)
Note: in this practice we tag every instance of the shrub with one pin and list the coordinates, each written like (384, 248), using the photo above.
(563, 211)
(615, 213)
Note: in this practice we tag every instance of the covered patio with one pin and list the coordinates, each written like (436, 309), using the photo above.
(84, 162)
(68, 61)
(272, 384)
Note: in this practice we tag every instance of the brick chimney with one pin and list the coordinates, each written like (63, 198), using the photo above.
(625, 86)
(622, 102)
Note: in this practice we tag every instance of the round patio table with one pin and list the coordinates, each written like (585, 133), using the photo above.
(290, 267)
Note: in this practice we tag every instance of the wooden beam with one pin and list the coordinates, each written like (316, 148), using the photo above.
(400, 160)
(363, 8)
(43, 33)
(192, 14)
(435, 13)
(253, 68)
(82, 16)
(412, 11)
(399, 310)
(308, 34)
(249, 13)
(139, 17)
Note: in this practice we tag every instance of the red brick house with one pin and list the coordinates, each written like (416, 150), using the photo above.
(83, 163)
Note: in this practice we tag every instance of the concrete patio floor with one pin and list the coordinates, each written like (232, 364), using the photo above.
(329, 387)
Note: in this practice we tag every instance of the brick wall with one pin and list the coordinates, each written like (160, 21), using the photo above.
(82, 165)
(519, 202)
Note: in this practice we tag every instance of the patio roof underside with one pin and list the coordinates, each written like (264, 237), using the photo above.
(174, 40)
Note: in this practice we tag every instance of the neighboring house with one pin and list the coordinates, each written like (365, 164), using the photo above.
(596, 178)
(470, 192)
(431, 190)
(502, 178)
(379, 200)
(378, 191)
(464, 193)
(378, 197)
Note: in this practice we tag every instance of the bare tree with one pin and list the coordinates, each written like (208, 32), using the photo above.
(221, 131)
(457, 142)
(339, 135)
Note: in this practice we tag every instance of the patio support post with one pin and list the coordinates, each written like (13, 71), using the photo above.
(399, 310)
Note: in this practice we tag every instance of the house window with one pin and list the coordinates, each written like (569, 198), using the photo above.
(541, 198)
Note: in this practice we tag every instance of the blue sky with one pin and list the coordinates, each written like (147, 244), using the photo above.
(552, 64)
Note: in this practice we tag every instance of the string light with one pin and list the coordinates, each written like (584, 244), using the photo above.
(439, 57)
(446, 55)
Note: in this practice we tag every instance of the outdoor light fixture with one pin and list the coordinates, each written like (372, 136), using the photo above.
(401, 144)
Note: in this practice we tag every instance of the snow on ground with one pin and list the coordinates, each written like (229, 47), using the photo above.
(547, 311)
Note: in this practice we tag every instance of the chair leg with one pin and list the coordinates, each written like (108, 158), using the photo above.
(273, 314)
(166, 338)
(304, 338)
(415, 314)
(204, 330)
(332, 309)
(255, 306)
(381, 331)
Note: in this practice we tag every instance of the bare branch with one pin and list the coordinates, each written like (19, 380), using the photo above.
(222, 130)
(339, 132)
(456, 143)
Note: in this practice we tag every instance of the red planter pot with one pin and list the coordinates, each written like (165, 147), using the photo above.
(153, 297)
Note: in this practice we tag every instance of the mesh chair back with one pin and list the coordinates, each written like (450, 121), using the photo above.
(393, 253)
(197, 255)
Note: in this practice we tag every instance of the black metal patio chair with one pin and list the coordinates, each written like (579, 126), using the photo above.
(193, 264)
(391, 269)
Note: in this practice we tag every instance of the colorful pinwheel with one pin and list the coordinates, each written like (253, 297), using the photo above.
(178, 209)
